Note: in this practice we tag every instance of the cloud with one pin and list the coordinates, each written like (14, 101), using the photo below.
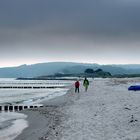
(85, 17)
(53, 30)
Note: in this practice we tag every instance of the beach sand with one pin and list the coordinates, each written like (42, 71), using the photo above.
(108, 111)
(43, 121)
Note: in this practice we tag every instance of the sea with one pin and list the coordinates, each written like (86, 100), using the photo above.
(25, 93)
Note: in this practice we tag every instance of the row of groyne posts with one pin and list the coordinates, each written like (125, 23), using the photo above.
(17, 108)
(30, 87)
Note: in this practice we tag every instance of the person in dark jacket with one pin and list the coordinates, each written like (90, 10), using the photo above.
(77, 85)
(86, 84)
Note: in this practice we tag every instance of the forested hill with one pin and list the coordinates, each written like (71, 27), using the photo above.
(51, 68)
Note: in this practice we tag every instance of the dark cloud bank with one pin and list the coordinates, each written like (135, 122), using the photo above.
(101, 31)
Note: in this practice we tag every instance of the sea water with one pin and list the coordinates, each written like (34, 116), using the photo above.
(13, 123)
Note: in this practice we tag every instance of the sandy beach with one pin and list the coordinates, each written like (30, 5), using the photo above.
(108, 111)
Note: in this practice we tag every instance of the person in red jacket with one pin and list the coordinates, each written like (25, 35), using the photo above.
(77, 85)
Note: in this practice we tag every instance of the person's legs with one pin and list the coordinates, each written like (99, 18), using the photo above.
(78, 89)
(75, 89)
(86, 88)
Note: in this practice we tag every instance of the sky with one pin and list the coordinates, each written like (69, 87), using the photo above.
(91, 31)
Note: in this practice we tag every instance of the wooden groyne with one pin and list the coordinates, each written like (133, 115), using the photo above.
(30, 87)
(17, 107)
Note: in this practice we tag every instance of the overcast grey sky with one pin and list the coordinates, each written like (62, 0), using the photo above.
(94, 31)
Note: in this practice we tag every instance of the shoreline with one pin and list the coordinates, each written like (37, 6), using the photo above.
(42, 122)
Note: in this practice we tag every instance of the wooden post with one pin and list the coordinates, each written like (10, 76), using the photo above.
(10, 108)
(15, 108)
(25, 107)
(0, 108)
(20, 107)
(31, 106)
(5, 108)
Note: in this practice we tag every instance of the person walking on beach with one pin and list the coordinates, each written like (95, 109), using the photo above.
(86, 84)
(77, 85)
